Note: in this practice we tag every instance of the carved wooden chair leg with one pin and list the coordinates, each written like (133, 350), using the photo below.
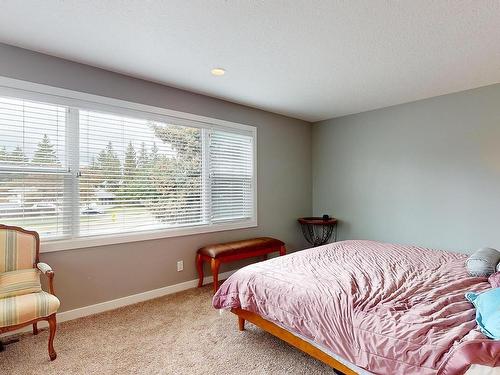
(2, 348)
(241, 323)
(199, 267)
(35, 329)
(52, 329)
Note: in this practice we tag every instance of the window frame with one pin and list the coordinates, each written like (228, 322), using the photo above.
(83, 101)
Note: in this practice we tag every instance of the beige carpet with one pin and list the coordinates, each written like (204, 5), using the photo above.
(176, 334)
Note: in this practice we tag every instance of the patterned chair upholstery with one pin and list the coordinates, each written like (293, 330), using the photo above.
(22, 300)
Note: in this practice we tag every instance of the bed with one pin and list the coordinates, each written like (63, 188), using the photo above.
(366, 307)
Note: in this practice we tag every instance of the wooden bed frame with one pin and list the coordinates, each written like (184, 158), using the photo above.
(290, 338)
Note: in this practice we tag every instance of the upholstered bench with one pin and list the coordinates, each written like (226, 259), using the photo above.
(231, 251)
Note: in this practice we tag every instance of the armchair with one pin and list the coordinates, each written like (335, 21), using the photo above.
(22, 300)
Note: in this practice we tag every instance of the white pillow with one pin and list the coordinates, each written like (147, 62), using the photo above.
(483, 262)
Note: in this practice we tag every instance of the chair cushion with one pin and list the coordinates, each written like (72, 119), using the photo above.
(17, 250)
(240, 247)
(22, 309)
(17, 283)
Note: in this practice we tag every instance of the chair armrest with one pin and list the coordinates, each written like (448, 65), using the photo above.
(44, 267)
(47, 270)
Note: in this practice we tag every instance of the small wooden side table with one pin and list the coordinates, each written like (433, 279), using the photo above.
(318, 231)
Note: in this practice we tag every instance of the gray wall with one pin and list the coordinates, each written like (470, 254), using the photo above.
(91, 275)
(425, 173)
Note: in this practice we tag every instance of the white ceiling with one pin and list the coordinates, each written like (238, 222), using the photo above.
(310, 59)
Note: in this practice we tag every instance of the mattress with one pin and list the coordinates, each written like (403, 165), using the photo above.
(384, 308)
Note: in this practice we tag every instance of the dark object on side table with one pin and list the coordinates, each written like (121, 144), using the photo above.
(318, 230)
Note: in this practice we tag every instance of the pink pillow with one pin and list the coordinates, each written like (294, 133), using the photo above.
(494, 280)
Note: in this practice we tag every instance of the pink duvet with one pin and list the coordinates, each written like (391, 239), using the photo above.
(389, 309)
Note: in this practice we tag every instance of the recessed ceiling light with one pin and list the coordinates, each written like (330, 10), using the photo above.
(218, 72)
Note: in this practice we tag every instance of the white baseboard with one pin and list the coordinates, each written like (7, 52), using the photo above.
(124, 301)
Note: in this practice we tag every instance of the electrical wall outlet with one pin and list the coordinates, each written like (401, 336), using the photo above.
(180, 265)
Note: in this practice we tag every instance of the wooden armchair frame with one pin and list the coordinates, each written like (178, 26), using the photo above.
(47, 271)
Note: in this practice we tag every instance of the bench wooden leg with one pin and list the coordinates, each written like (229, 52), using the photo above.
(215, 263)
(35, 329)
(241, 323)
(282, 251)
(199, 267)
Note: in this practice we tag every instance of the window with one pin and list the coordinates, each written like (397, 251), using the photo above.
(33, 172)
(231, 173)
(73, 172)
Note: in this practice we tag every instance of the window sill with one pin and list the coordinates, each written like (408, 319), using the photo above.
(112, 239)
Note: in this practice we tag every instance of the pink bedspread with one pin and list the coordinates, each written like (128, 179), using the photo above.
(389, 309)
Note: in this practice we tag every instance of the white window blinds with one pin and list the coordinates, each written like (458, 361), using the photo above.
(231, 170)
(34, 185)
(70, 172)
(138, 174)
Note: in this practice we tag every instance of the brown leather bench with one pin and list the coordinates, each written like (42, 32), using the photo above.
(231, 251)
